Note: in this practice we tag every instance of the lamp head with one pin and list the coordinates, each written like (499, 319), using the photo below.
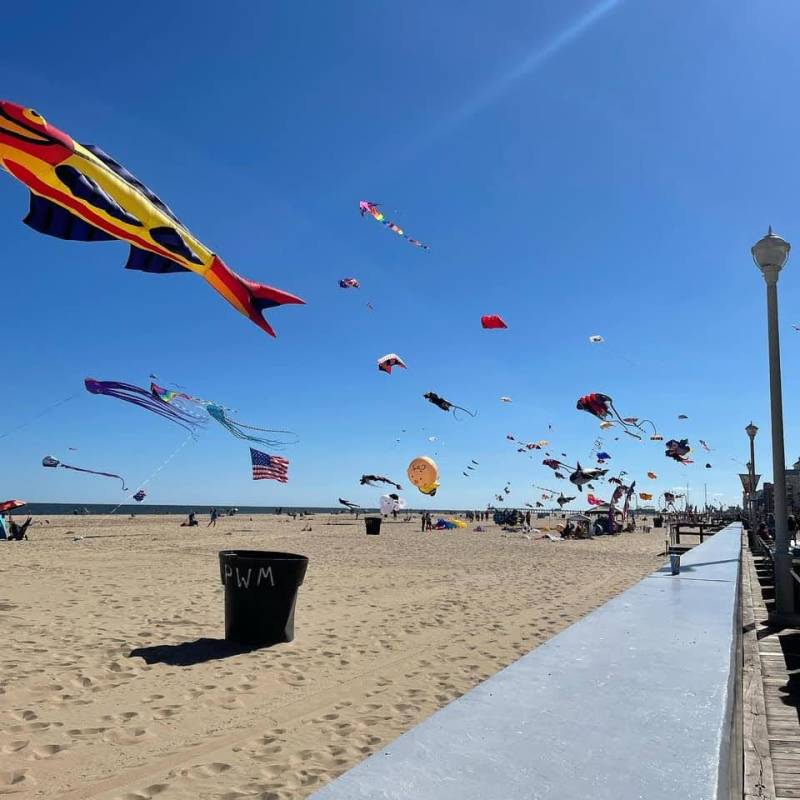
(751, 430)
(771, 251)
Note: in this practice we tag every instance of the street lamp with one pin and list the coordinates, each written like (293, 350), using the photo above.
(751, 431)
(770, 254)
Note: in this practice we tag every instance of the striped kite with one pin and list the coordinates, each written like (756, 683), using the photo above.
(78, 192)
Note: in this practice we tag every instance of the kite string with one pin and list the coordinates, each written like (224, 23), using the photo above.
(190, 438)
(40, 414)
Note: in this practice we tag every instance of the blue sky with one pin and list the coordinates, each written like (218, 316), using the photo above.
(578, 167)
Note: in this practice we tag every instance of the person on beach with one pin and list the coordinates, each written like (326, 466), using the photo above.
(16, 533)
(213, 518)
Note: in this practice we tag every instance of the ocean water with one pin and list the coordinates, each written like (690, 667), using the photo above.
(59, 509)
(56, 509)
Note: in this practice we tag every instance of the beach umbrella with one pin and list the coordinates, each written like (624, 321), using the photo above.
(8, 505)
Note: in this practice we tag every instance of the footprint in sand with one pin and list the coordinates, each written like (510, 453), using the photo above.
(46, 751)
(15, 747)
(16, 778)
(125, 716)
(83, 732)
(128, 736)
(206, 770)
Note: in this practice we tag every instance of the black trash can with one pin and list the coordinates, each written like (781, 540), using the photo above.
(373, 525)
(260, 595)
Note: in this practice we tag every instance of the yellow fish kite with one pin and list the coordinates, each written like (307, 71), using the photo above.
(78, 192)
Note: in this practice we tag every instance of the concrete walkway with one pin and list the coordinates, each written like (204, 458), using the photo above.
(635, 700)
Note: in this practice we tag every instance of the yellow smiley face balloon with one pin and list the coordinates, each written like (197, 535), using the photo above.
(424, 474)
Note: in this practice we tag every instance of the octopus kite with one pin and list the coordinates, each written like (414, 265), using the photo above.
(602, 406)
(144, 399)
(445, 405)
(80, 193)
(242, 431)
(373, 209)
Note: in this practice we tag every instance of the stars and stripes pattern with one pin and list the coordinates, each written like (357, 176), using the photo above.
(267, 467)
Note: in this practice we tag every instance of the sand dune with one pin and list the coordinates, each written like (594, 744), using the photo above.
(388, 629)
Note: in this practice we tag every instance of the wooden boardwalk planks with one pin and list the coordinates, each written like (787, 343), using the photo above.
(771, 693)
(758, 772)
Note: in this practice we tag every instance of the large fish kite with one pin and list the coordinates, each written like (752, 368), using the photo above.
(78, 192)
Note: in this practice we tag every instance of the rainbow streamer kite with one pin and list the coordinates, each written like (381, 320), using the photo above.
(367, 207)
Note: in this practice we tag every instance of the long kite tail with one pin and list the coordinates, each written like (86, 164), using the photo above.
(651, 423)
(268, 430)
(239, 430)
(95, 472)
(144, 399)
(625, 425)
(461, 408)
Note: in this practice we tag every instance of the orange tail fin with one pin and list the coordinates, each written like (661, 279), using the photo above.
(247, 297)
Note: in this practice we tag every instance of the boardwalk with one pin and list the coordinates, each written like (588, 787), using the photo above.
(771, 692)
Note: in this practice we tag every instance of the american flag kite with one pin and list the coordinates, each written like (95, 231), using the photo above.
(267, 467)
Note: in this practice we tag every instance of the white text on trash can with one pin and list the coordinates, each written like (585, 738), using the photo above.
(244, 580)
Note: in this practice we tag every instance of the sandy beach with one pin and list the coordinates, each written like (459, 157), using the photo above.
(388, 630)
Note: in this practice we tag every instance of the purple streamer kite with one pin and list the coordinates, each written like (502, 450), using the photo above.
(49, 461)
(144, 399)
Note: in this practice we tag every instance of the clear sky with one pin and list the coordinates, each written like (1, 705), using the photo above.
(580, 168)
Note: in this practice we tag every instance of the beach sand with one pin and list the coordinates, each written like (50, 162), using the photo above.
(388, 629)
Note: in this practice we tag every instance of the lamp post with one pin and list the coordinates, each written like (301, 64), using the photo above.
(751, 431)
(770, 254)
